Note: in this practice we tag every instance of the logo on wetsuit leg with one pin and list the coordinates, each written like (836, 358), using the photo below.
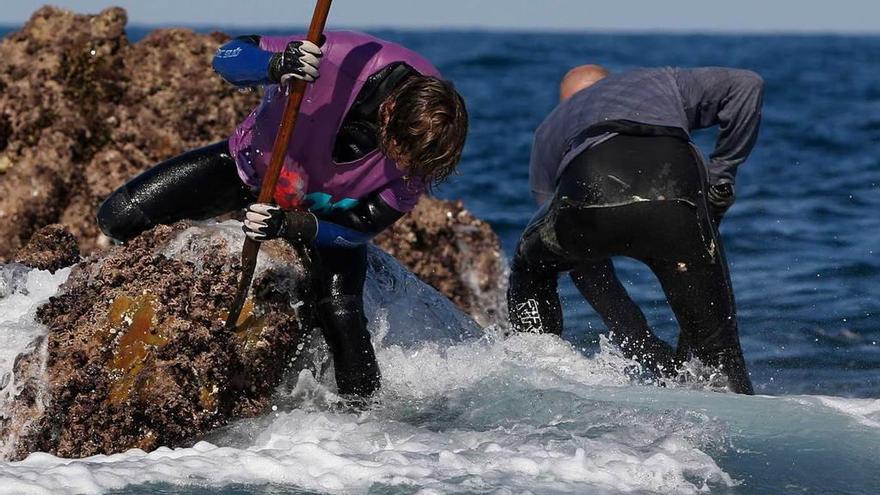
(530, 316)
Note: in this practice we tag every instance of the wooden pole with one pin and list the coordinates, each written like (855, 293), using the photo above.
(279, 151)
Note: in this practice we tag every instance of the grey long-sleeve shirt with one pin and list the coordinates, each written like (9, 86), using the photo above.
(684, 98)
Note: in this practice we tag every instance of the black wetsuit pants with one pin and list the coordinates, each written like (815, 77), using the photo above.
(640, 197)
(204, 183)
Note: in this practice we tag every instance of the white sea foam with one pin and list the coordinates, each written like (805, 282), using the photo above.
(205, 237)
(445, 427)
(538, 360)
(865, 411)
(21, 292)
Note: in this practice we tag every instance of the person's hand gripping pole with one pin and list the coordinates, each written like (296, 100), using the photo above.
(300, 60)
(279, 150)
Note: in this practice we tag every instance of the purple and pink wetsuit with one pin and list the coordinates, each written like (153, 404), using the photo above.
(349, 60)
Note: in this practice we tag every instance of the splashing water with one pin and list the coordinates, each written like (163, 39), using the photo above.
(480, 429)
(461, 411)
(22, 291)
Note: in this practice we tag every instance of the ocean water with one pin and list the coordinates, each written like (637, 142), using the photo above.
(536, 414)
(802, 239)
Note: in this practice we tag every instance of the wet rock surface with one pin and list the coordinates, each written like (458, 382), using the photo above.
(136, 354)
(83, 110)
(51, 248)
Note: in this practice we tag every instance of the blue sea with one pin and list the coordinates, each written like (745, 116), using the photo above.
(802, 239)
(802, 243)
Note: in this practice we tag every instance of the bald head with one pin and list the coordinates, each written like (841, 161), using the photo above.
(581, 77)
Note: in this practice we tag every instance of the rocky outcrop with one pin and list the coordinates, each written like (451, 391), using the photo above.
(137, 355)
(134, 354)
(51, 248)
(82, 110)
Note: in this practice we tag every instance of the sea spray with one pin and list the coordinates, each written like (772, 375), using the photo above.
(463, 411)
(22, 290)
(476, 430)
(486, 414)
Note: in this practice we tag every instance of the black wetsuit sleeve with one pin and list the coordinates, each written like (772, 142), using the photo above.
(357, 225)
(731, 99)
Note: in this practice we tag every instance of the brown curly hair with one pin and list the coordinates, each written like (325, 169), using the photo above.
(423, 128)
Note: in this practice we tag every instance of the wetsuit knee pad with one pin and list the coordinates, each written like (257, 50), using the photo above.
(120, 218)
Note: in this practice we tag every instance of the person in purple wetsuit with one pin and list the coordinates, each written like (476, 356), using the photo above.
(376, 129)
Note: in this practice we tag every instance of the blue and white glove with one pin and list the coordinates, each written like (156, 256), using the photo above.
(264, 221)
(299, 60)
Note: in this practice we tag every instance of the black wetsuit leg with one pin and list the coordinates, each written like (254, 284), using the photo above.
(708, 331)
(196, 185)
(339, 277)
(532, 299)
(687, 259)
(642, 197)
(628, 328)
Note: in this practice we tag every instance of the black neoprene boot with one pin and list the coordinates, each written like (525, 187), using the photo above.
(345, 330)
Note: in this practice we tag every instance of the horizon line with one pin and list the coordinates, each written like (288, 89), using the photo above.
(511, 29)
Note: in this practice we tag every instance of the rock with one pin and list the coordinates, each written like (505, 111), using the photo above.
(453, 251)
(51, 248)
(137, 354)
(83, 110)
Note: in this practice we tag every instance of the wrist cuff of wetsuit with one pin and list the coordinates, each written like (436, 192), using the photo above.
(723, 189)
(301, 227)
(274, 67)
